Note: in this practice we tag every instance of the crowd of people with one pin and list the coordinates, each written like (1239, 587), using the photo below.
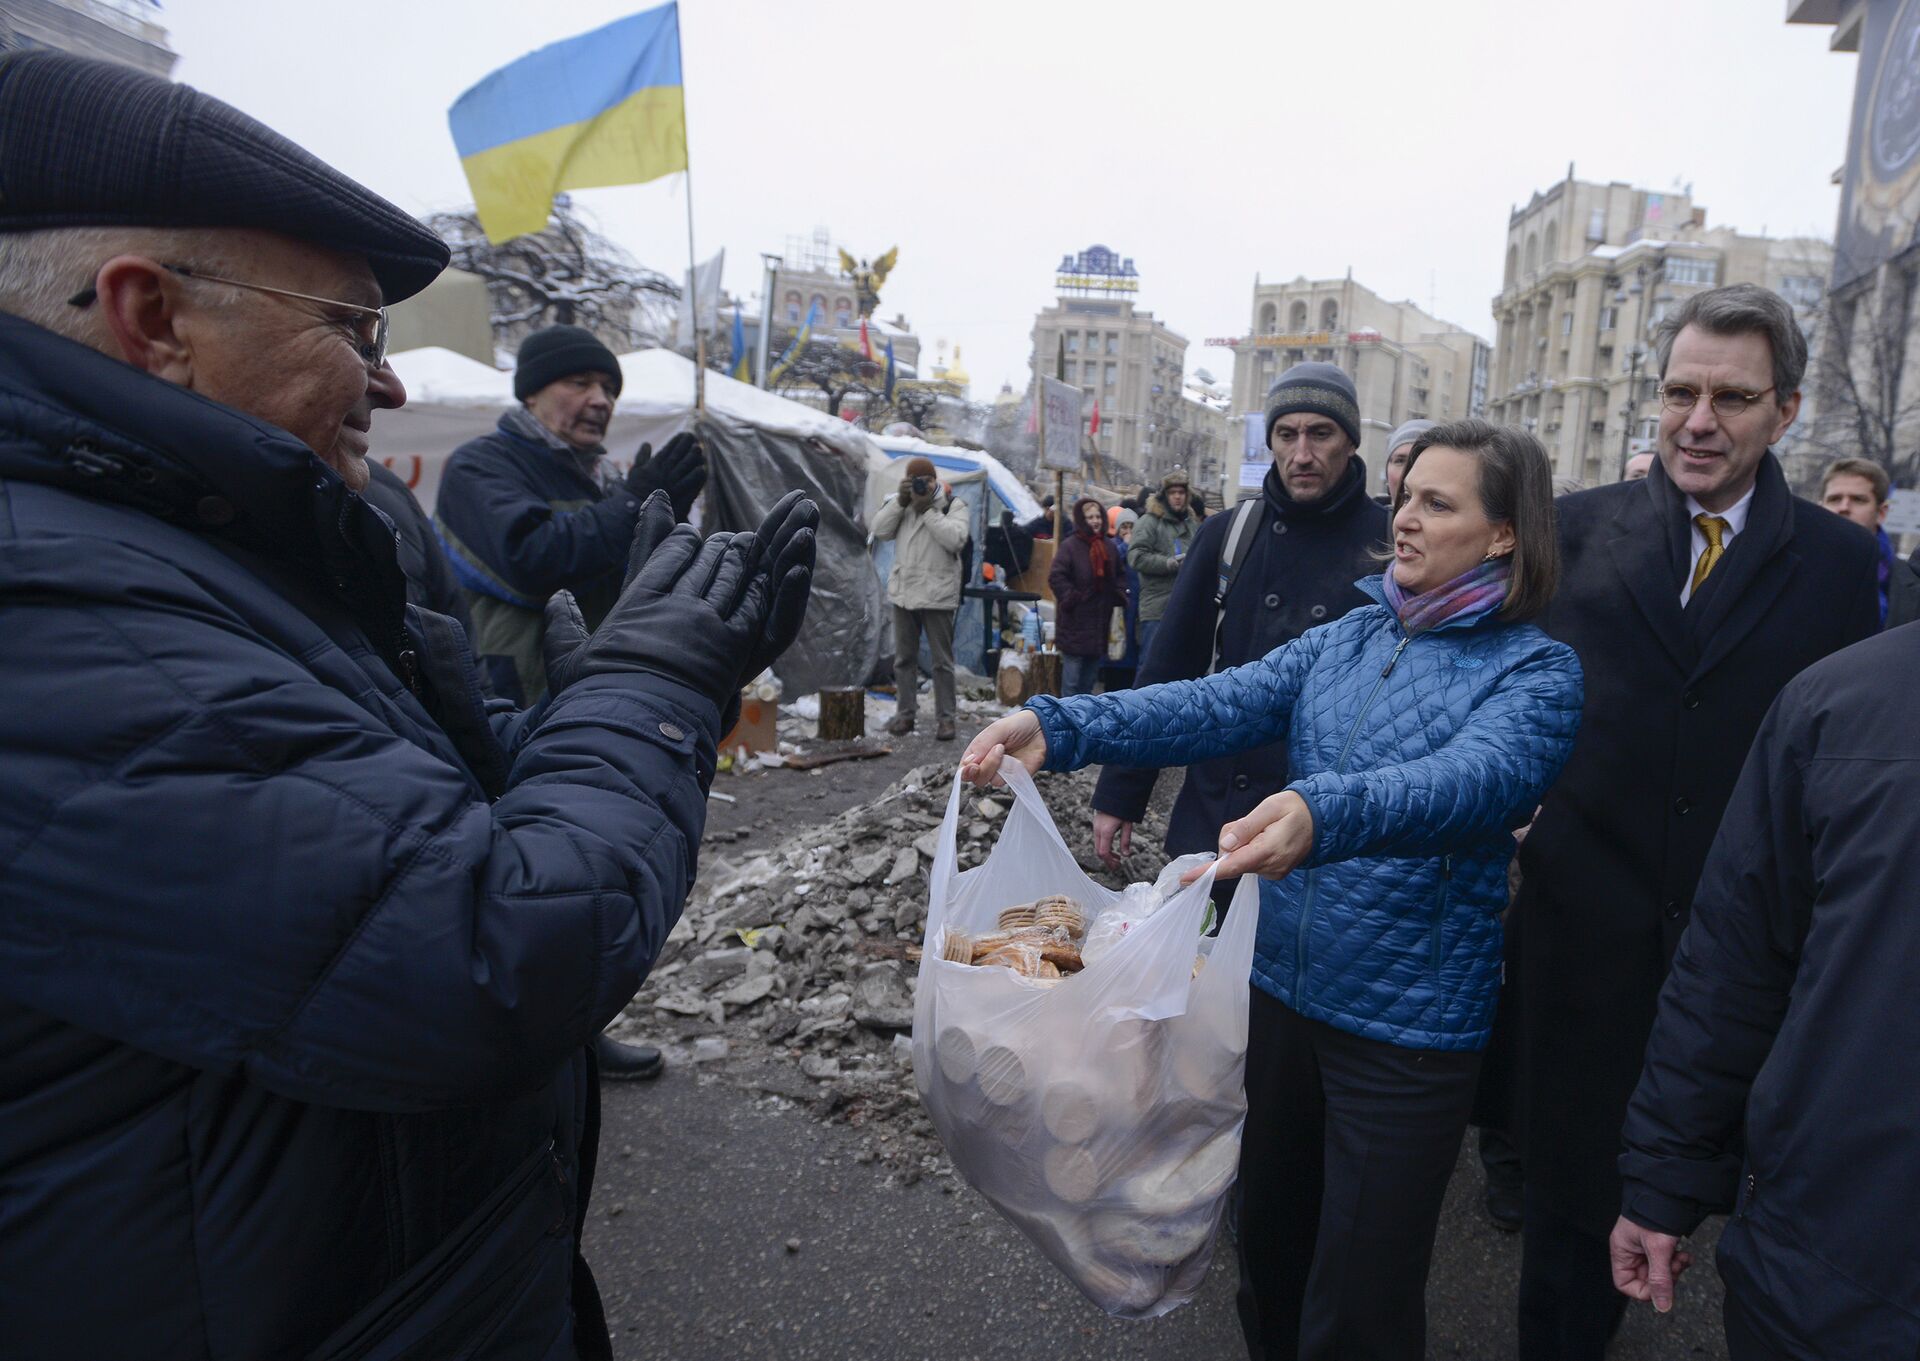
(1583, 818)
(1583, 676)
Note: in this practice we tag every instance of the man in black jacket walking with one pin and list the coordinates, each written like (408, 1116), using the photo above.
(1311, 535)
(1801, 1120)
(1692, 597)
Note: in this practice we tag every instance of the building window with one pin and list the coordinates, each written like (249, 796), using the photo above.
(842, 313)
(1113, 371)
(1113, 342)
(1073, 342)
(1297, 318)
(1688, 271)
(1566, 323)
(1329, 314)
(1609, 318)
(1092, 371)
(1269, 318)
(1597, 225)
(817, 306)
(793, 307)
(1801, 290)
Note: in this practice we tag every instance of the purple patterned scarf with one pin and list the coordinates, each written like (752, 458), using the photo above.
(1471, 596)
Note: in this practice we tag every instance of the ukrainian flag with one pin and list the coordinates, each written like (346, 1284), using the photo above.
(742, 361)
(601, 109)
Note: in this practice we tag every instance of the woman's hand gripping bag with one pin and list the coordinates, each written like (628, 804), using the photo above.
(1101, 1111)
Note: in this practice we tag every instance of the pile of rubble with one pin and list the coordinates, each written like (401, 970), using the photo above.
(790, 974)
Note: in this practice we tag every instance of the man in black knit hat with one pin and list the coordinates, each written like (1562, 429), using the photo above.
(1299, 547)
(526, 510)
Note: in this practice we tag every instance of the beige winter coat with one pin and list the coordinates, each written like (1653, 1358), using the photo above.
(926, 554)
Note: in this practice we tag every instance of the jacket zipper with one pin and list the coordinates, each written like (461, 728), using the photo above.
(409, 661)
(1440, 911)
(1753, 1189)
(1339, 768)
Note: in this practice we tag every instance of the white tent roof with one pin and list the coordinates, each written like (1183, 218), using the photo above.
(439, 377)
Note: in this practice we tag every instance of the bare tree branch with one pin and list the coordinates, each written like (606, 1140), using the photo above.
(566, 274)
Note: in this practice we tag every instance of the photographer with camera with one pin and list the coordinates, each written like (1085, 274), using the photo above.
(928, 525)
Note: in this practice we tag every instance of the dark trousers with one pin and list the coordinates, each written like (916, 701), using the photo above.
(907, 626)
(1569, 1309)
(1348, 1148)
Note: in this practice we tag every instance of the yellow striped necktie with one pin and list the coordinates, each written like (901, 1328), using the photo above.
(1713, 527)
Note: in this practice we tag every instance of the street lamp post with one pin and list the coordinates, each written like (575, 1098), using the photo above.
(1645, 277)
(768, 281)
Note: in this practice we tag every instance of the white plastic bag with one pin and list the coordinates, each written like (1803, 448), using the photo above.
(1100, 1113)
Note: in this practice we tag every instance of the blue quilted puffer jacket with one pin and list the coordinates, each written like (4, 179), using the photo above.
(1417, 755)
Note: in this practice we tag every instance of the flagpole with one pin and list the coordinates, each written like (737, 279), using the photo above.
(693, 263)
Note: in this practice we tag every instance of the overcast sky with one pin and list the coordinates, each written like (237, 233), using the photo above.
(1209, 142)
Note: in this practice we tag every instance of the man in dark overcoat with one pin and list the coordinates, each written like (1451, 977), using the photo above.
(1692, 597)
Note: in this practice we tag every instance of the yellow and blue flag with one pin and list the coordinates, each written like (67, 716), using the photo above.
(797, 348)
(742, 362)
(601, 109)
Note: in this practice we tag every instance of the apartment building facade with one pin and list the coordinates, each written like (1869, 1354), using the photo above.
(1404, 362)
(1591, 270)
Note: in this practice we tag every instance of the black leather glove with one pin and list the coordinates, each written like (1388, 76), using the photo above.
(694, 613)
(679, 470)
(787, 540)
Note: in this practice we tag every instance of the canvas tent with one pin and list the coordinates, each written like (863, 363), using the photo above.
(760, 446)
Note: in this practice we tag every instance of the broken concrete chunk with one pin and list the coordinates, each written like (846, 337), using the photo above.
(882, 999)
(717, 966)
(866, 867)
(747, 991)
(905, 865)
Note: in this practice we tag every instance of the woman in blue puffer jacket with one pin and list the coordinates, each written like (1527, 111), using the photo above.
(1421, 731)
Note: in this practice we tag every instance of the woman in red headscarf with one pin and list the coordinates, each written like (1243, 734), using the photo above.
(1087, 581)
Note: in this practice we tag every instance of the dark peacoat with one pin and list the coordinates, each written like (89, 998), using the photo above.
(1674, 698)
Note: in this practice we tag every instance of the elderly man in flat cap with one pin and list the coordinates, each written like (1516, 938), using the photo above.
(301, 948)
(527, 510)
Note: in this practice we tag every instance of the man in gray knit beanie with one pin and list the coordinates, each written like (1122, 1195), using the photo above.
(1313, 428)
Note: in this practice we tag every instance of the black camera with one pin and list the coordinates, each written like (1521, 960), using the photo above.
(923, 486)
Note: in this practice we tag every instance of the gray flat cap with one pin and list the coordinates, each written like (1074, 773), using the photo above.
(89, 143)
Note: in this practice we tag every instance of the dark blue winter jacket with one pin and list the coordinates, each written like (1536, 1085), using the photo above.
(520, 520)
(1782, 1079)
(1417, 757)
(300, 951)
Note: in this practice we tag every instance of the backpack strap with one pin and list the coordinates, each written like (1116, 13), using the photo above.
(1232, 554)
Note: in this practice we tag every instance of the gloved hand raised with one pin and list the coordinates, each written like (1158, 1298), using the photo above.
(787, 545)
(692, 612)
(680, 470)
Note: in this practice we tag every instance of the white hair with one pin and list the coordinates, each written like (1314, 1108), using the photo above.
(40, 270)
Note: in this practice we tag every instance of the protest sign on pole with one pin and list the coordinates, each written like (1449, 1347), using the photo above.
(1060, 425)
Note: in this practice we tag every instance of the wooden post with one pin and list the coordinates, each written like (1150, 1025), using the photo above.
(843, 714)
(1059, 501)
(1043, 675)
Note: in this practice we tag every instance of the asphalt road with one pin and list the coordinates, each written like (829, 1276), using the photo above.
(703, 1187)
